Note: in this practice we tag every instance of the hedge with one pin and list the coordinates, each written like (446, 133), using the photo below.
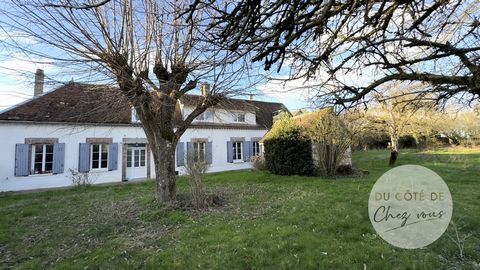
(288, 151)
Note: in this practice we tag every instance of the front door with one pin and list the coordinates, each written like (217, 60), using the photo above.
(136, 162)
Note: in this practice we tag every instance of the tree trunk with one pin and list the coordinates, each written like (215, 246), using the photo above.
(158, 123)
(394, 150)
(164, 158)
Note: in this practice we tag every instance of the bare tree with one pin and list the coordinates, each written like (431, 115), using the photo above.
(399, 114)
(354, 47)
(144, 48)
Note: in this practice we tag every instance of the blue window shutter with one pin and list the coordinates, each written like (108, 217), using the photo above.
(180, 154)
(21, 159)
(58, 158)
(209, 152)
(189, 150)
(84, 158)
(247, 150)
(230, 152)
(112, 156)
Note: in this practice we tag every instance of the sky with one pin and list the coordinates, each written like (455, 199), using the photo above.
(17, 77)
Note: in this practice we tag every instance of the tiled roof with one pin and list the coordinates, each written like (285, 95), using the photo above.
(101, 104)
(75, 103)
(264, 111)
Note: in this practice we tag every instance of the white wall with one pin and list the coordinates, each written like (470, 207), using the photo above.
(223, 116)
(219, 138)
(13, 133)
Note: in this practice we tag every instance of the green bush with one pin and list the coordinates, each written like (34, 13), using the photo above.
(287, 150)
(407, 141)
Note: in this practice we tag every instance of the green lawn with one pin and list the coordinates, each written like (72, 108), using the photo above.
(268, 222)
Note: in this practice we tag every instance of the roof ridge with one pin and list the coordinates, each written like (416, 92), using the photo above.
(240, 99)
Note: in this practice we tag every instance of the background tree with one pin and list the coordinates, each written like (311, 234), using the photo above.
(354, 47)
(142, 47)
(400, 115)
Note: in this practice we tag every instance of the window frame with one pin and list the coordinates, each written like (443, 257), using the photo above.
(131, 160)
(237, 151)
(206, 116)
(197, 151)
(33, 149)
(256, 150)
(100, 146)
(238, 119)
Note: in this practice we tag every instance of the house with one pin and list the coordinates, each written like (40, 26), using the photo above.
(93, 129)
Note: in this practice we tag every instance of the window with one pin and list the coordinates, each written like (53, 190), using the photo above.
(205, 116)
(239, 117)
(99, 157)
(136, 157)
(237, 151)
(199, 151)
(256, 148)
(42, 158)
(129, 158)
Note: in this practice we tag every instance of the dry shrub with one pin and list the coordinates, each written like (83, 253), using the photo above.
(195, 172)
(258, 162)
(331, 140)
(81, 179)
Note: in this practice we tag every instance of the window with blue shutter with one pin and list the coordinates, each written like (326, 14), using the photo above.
(21, 159)
(247, 150)
(84, 157)
(189, 150)
(230, 152)
(112, 156)
(209, 153)
(58, 158)
(180, 154)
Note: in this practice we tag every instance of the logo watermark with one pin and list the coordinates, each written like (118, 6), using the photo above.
(410, 206)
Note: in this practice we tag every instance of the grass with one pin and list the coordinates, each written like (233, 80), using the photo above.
(269, 222)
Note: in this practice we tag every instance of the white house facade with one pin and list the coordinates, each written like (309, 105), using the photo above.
(81, 128)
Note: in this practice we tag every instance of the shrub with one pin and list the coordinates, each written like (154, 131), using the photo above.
(287, 150)
(258, 162)
(195, 172)
(407, 141)
(331, 137)
(81, 179)
(345, 169)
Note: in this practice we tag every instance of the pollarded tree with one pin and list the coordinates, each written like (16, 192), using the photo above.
(144, 47)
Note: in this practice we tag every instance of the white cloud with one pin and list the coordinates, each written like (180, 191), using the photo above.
(13, 93)
(17, 77)
(294, 94)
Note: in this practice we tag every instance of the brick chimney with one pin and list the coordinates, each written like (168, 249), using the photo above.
(39, 81)
(205, 89)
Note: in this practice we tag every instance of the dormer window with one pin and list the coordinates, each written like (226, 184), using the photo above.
(206, 116)
(135, 118)
(239, 117)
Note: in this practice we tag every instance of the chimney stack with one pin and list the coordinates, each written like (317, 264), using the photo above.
(205, 89)
(39, 81)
